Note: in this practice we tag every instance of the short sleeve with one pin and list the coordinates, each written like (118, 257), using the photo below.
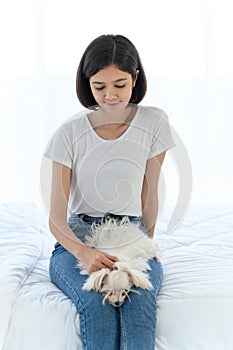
(162, 139)
(60, 147)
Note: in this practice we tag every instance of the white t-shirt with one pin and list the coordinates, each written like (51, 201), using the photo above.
(107, 175)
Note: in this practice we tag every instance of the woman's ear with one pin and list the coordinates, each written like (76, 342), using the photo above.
(135, 79)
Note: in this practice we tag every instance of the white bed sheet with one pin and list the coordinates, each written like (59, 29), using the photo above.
(195, 304)
(21, 248)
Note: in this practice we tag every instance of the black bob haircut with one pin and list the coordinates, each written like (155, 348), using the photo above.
(102, 52)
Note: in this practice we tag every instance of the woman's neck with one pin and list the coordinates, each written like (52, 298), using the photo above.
(112, 119)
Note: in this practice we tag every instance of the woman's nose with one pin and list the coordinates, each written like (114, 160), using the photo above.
(110, 93)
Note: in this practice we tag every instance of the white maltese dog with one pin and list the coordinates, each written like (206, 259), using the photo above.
(133, 248)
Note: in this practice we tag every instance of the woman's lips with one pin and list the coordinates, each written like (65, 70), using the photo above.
(112, 104)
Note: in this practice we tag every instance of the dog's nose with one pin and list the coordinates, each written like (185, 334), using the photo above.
(117, 303)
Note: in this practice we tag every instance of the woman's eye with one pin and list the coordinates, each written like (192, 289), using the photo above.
(120, 86)
(117, 86)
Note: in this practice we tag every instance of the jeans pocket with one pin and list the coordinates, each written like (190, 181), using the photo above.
(75, 223)
(143, 228)
(80, 228)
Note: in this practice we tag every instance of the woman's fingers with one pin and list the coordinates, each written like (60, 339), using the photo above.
(109, 261)
(95, 260)
(103, 260)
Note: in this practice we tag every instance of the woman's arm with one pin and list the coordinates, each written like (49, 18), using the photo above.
(150, 192)
(92, 259)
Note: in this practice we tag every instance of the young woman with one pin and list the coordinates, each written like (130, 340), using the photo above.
(106, 162)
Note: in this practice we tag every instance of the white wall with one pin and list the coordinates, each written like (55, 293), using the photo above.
(186, 47)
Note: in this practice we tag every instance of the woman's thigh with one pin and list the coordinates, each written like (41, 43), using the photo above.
(95, 318)
(138, 315)
(143, 298)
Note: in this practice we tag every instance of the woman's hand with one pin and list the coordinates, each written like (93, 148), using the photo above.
(94, 260)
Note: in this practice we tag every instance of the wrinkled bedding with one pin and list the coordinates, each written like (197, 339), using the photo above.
(195, 303)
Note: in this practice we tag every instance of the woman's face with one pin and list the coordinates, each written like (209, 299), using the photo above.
(112, 87)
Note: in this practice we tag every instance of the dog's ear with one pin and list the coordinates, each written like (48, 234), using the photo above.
(140, 279)
(140, 264)
(95, 280)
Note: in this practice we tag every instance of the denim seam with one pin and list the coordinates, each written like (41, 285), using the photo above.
(84, 338)
(123, 332)
(160, 280)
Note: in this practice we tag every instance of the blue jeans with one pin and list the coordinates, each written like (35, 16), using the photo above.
(103, 327)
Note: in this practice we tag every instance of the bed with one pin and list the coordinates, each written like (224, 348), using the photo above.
(195, 303)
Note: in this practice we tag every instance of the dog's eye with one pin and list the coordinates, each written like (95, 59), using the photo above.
(124, 293)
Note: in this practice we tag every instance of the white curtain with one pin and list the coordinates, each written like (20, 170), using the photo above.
(186, 48)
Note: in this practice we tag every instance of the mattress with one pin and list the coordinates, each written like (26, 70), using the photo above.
(195, 303)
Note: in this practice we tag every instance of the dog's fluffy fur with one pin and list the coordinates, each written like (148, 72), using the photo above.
(133, 248)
